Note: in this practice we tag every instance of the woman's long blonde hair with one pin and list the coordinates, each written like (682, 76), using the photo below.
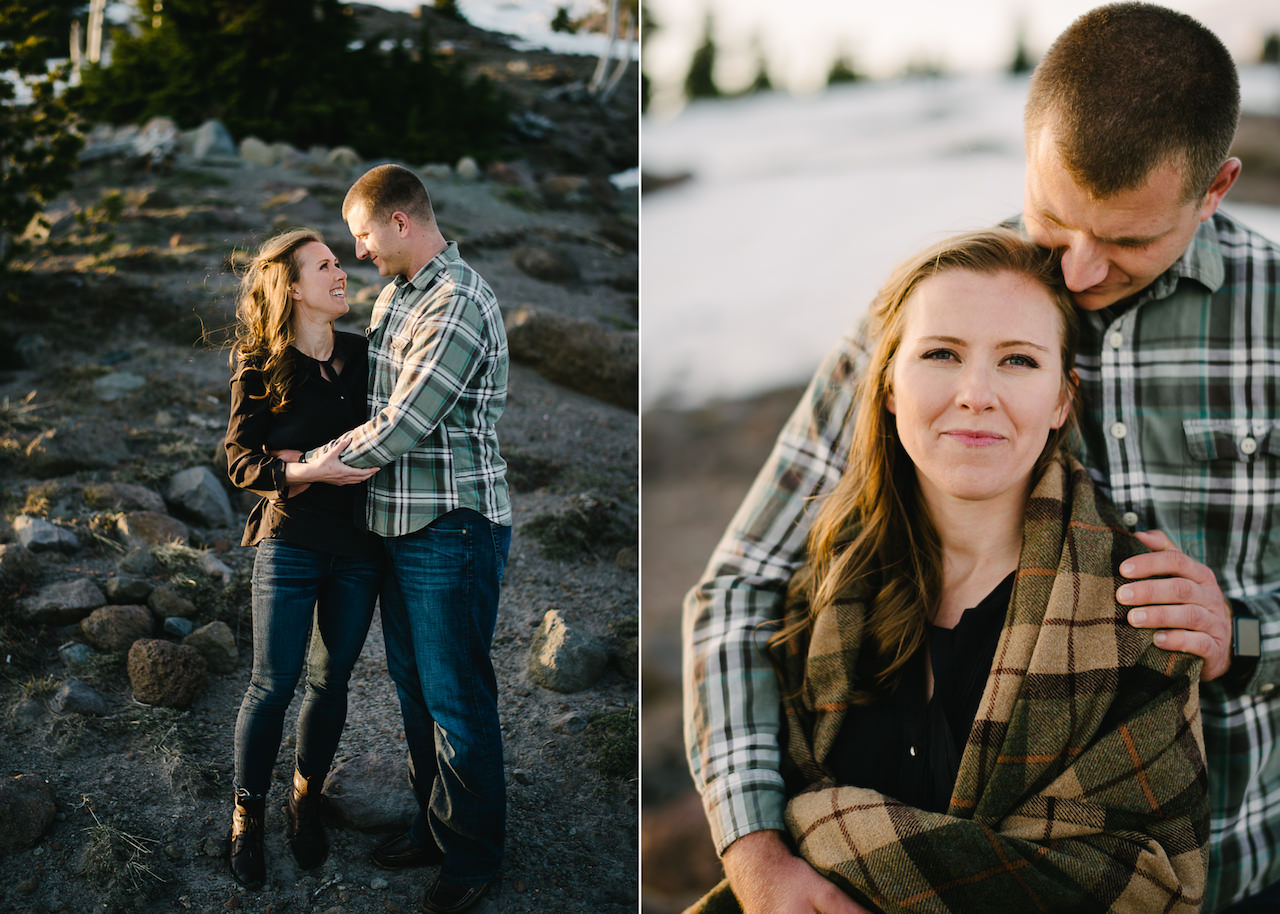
(873, 531)
(264, 314)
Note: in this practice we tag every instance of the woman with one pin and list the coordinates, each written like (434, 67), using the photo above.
(297, 384)
(969, 723)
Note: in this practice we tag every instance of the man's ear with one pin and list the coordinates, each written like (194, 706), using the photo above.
(1222, 182)
(400, 221)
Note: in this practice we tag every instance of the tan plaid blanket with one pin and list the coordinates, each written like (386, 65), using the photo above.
(1082, 786)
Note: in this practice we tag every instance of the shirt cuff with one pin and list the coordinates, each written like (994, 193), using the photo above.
(1265, 679)
(742, 804)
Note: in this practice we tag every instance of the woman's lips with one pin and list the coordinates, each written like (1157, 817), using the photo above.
(973, 437)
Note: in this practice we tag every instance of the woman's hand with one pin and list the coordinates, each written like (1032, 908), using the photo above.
(328, 468)
(768, 879)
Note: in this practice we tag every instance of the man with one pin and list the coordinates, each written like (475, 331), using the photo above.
(438, 383)
(1129, 120)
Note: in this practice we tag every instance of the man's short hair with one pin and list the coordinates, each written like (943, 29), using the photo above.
(1130, 86)
(384, 189)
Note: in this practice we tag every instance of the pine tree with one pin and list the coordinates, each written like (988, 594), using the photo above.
(700, 81)
(38, 146)
(290, 71)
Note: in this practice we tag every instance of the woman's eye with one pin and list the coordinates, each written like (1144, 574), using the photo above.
(1022, 361)
(939, 355)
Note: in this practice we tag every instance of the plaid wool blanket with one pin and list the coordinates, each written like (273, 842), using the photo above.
(1082, 786)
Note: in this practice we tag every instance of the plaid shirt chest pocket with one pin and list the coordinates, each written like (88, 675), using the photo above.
(1232, 485)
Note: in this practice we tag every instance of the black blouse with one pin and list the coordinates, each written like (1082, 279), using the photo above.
(909, 747)
(324, 517)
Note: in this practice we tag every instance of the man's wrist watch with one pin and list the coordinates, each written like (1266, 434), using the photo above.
(1246, 648)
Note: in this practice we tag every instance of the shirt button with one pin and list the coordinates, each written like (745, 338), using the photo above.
(1249, 445)
(1118, 430)
(1116, 339)
(912, 750)
(1130, 519)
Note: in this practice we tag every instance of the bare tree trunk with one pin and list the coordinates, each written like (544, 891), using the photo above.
(93, 49)
(602, 67)
(624, 59)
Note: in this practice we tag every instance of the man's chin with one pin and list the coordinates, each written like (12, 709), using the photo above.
(1097, 299)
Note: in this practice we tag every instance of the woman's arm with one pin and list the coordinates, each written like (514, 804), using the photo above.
(249, 465)
(328, 468)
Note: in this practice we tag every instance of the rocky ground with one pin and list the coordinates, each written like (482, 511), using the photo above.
(698, 464)
(113, 382)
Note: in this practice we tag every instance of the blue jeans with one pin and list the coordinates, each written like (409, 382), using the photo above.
(439, 608)
(289, 582)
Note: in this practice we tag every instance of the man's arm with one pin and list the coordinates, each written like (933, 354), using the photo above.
(444, 348)
(732, 703)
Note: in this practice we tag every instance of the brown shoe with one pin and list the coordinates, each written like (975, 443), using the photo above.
(246, 854)
(400, 853)
(305, 829)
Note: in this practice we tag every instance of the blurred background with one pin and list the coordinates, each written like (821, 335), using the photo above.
(791, 155)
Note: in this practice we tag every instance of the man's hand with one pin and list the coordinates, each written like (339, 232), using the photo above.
(1179, 595)
(768, 879)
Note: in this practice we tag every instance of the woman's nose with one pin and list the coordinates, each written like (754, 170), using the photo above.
(975, 391)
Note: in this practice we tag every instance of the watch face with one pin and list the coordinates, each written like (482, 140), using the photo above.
(1248, 637)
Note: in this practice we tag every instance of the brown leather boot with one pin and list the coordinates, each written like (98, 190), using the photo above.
(247, 856)
(307, 839)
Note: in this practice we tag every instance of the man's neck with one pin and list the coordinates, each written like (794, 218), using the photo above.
(432, 245)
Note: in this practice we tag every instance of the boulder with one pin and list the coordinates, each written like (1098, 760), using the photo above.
(138, 560)
(467, 169)
(166, 674)
(565, 658)
(580, 355)
(115, 628)
(88, 445)
(195, 495)
(18, 563)
(76, 697)
(178, 626)
(343, 157)
(626, 659)
(371, 793)
(165, 602)
(39, 535)
(75, 653)
(63, 603)
(122, 496)
(128, 590)
(27, 810)
(210, 141)
(217, 645)
(213, 566)
(564, 189)
(255, 152)
(117, 385)
(547, 264)
(151, 528)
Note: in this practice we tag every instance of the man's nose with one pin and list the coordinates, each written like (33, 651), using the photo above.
(361, 251)
(1083, 266)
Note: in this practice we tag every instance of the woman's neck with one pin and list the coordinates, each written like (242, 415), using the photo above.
(313, 339)
(981, 542)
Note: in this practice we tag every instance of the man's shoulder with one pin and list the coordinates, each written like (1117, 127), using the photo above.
(1236, 236)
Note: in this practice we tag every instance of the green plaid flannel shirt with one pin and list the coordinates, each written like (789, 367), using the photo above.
(1182, 430)
(437, 385)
